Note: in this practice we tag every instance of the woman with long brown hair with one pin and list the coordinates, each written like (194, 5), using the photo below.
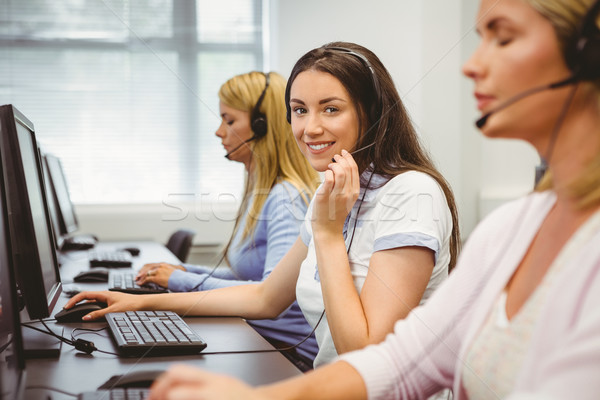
(381, 232)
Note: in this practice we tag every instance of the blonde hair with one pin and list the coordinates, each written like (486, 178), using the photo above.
(566, 16)
(275, 156)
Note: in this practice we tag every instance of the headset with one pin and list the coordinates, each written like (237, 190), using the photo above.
(365, 61)
(367, 64)
(258, 120)
(582, 56)
(583, 53)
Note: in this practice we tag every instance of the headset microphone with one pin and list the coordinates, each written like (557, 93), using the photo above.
(240, 145)
(480, 123)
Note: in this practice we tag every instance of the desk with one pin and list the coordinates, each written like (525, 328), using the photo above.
(76, 372)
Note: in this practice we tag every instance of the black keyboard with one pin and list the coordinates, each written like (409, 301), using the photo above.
(115, 394)
(125, 282)
(153, 333)
(110, 259)
(81, 242)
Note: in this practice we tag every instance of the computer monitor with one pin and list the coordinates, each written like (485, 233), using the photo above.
(33, 251)
(59, 238)
(12, 361)
(66, 212)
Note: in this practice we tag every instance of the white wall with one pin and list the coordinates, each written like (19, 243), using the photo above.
(423, 44)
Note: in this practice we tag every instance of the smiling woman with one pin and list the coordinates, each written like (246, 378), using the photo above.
(324, 117)
(380, 235)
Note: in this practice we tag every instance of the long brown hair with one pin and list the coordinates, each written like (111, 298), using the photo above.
(382, 115)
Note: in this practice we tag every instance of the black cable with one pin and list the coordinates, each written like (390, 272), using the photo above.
(87, 330)
(195, 288)
(291, 347)
(51, 389)
(49, 332)
(97, 331)
(39, 320)
(558, 124)
(80, 344)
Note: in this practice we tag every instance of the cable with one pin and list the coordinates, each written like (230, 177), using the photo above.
(362, 199)
(556, 129)
(87, 330)
(291, 347)
(97, 331)
(80, 344)
(195, 288)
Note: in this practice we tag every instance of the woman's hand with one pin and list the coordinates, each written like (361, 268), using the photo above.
(183, 382)
(116, 302)
(158, 273)
(336, 196)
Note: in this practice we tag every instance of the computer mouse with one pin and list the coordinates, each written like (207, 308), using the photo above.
(134, 251)
(97, 274)
(135, 379)
(75, 313)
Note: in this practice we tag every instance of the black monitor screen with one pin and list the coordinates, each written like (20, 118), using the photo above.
(66, 211)
(38, 211)
(11, 347)
(59, 238)
(34, 254)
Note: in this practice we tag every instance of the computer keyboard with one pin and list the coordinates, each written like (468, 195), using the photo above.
(116, 394)
(125, 282)
(110, 259)
(80, 242)
(153, 333)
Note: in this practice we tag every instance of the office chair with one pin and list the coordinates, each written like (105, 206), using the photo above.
(180, 243)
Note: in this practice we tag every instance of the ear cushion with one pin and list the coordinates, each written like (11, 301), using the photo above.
(258, 120)
(583, 54)
(259, 125)
(588, 62)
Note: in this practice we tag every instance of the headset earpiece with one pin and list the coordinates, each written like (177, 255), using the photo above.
(258, 120)
(583, 53)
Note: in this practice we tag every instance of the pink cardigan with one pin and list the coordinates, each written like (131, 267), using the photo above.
(425, 352)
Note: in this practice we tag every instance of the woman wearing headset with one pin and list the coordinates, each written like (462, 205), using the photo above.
(526, 323)
(381, 232)
(279, 185)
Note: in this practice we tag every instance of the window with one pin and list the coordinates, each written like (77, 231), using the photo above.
(125, 91)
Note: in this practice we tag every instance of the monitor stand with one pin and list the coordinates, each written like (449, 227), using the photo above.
(38, 344)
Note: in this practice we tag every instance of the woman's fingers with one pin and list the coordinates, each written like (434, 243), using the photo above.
(94, 315)
(148, 267)
(98, 296)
